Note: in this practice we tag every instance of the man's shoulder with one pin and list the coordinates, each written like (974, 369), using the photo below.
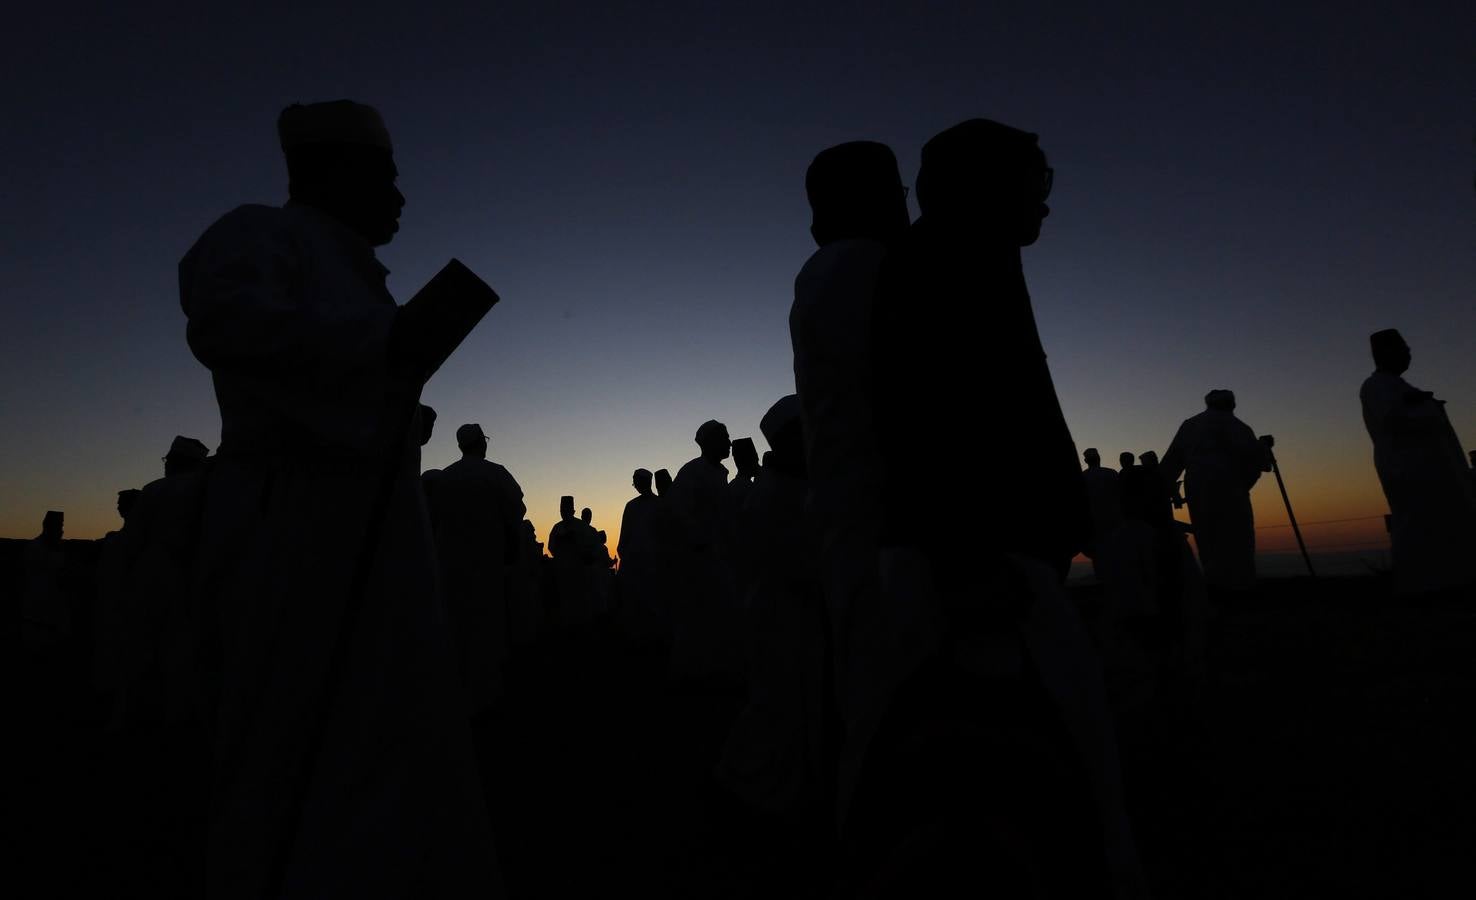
(839, 264)
(253, 224)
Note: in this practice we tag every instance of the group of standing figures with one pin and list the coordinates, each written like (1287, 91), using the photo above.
(925, 701)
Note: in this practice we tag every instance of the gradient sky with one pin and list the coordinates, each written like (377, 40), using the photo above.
(1243, 193)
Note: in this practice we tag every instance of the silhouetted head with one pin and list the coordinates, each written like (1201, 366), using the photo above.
(712, 437)
(1125, 459)
(1220, 399)
(987, 179)
(566, 507)
(52, 526)
(126, 501)
(641, 481)
(427, 424)
(1390, 352)
(340, 160)
(663, 482)
(1092, 457)
(855, 191)
(586, 516)
(1149, 459)
(185, 455)
(745, 456)
(783, 427)
(472, 441)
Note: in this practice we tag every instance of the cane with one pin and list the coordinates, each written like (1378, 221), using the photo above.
(1270, 442)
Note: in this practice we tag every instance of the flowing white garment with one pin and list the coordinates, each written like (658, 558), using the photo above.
(830, 331)
(1221, 461)
(1426, 481)
(706, 618)
(476, 508)
(360, 783)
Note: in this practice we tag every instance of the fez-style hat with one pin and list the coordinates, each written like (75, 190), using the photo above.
(333, 122)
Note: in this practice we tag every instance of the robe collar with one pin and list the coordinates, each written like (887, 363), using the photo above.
(353, 243)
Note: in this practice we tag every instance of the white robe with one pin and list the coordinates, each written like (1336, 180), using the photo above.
(1221, 460)
(773, 759)
(380, 798)
(830, 330)
(476, 509)
(1426, 481)
(706, 614)
(641, 558)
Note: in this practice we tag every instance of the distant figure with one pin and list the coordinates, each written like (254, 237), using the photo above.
(1124, 461)
(475, 511)
(642, 558)
(984, 642)
(162, 620)
(1103, 498)
(46, 616)
(859, 209)
(575, 548)
(705, 643)
(1221, 460)
(1432, 500)
(114, 571)
(778, 759)
(566, 539)
(427, 428)
(662, 482)
(361, 780)
(746, 460)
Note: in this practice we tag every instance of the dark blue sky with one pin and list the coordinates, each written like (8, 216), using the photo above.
(1242, 194)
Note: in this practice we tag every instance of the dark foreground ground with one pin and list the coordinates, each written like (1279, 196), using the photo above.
(1332, 754)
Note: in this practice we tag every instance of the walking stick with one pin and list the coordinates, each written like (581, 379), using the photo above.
(1270, 442)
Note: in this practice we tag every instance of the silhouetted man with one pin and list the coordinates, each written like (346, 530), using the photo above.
(746, 459)
(1124, 461)
(778, 758)
(955, 349)
(1103, 497)
(859, 209)
(1426, 481)
(566, 539)
(161, 619)
(475, 508)
(46, 616)
(1221, 460)
(114, 576)
(641, 559)
(343, 762)
(704, 642)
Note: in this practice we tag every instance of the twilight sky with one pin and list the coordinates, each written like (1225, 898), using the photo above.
(1243, 192)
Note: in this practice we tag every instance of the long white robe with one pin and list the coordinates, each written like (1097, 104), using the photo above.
(476, 508)
(1221, 460)
(706, 615)
(641, 559)
(830, 331)
(1426, 481)
(773, 759)
(363, 784)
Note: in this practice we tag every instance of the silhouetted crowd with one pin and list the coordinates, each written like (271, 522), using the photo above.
(902, 696)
